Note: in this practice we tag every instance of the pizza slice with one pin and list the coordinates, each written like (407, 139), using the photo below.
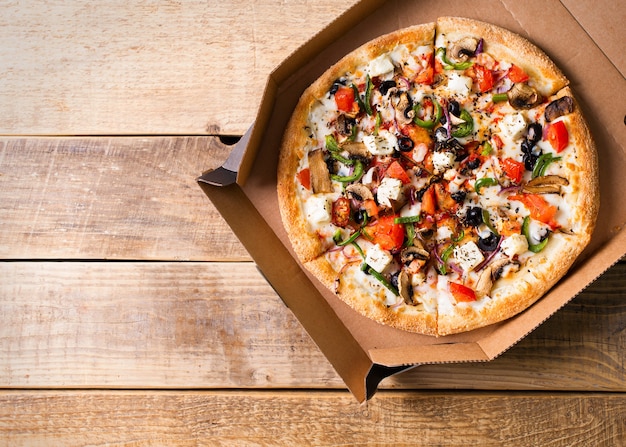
(530, 188)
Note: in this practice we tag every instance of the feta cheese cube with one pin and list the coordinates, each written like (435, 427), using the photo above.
(377, 258)
(515, 244)
(385, 143)
(388, 190)
(380, 66)
(444, 232)
(459, 85)
(483, 231)
(513, 126)
(468, 256)
(317, 209)
(442, 160)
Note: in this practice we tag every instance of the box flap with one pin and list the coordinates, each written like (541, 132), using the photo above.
(603, 20)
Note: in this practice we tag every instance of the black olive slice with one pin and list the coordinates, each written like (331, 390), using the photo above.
(489, 243)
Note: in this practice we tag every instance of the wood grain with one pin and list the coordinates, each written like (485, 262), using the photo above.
(130, 313)
(111, 198)
(220, 325)
(145, 67)
(143, 325)
(216, 418)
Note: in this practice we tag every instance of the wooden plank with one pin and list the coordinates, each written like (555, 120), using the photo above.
(142, 325)
(145, 67)
(72, 418)
(219, 325)
(111, 198)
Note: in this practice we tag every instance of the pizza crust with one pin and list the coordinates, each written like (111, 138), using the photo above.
(585, 182)
(306, 244)
(414, 36)
(509, 298)
(518, 292)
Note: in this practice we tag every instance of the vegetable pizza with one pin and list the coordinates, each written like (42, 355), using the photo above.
(439, 178)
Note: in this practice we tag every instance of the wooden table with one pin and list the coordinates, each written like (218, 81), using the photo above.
(131, 315)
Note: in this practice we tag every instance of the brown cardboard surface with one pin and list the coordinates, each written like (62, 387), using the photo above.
(604, 22)
(337, 329)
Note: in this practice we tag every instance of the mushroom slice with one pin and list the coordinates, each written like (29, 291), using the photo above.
(320, 176)
(412, 253)
(396, 205)
(463, 49)
(523, 96)
(546, 184)
(359, 192)
(344, 125)
(497, 267)
(405, 288)
(559, 107)
(357, 149)
(404, 109)
(485, 282)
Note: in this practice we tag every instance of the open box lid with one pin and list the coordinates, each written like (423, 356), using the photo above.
(244, 188)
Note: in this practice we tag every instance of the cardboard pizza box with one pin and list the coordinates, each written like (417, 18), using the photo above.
(362, 351)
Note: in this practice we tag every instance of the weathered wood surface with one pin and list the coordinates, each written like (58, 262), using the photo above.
(147, 67)
(216, 418)
(220, 325)
(131, 315)
(111, 198)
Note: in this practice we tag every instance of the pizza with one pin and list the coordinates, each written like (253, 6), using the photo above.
(439, 178)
